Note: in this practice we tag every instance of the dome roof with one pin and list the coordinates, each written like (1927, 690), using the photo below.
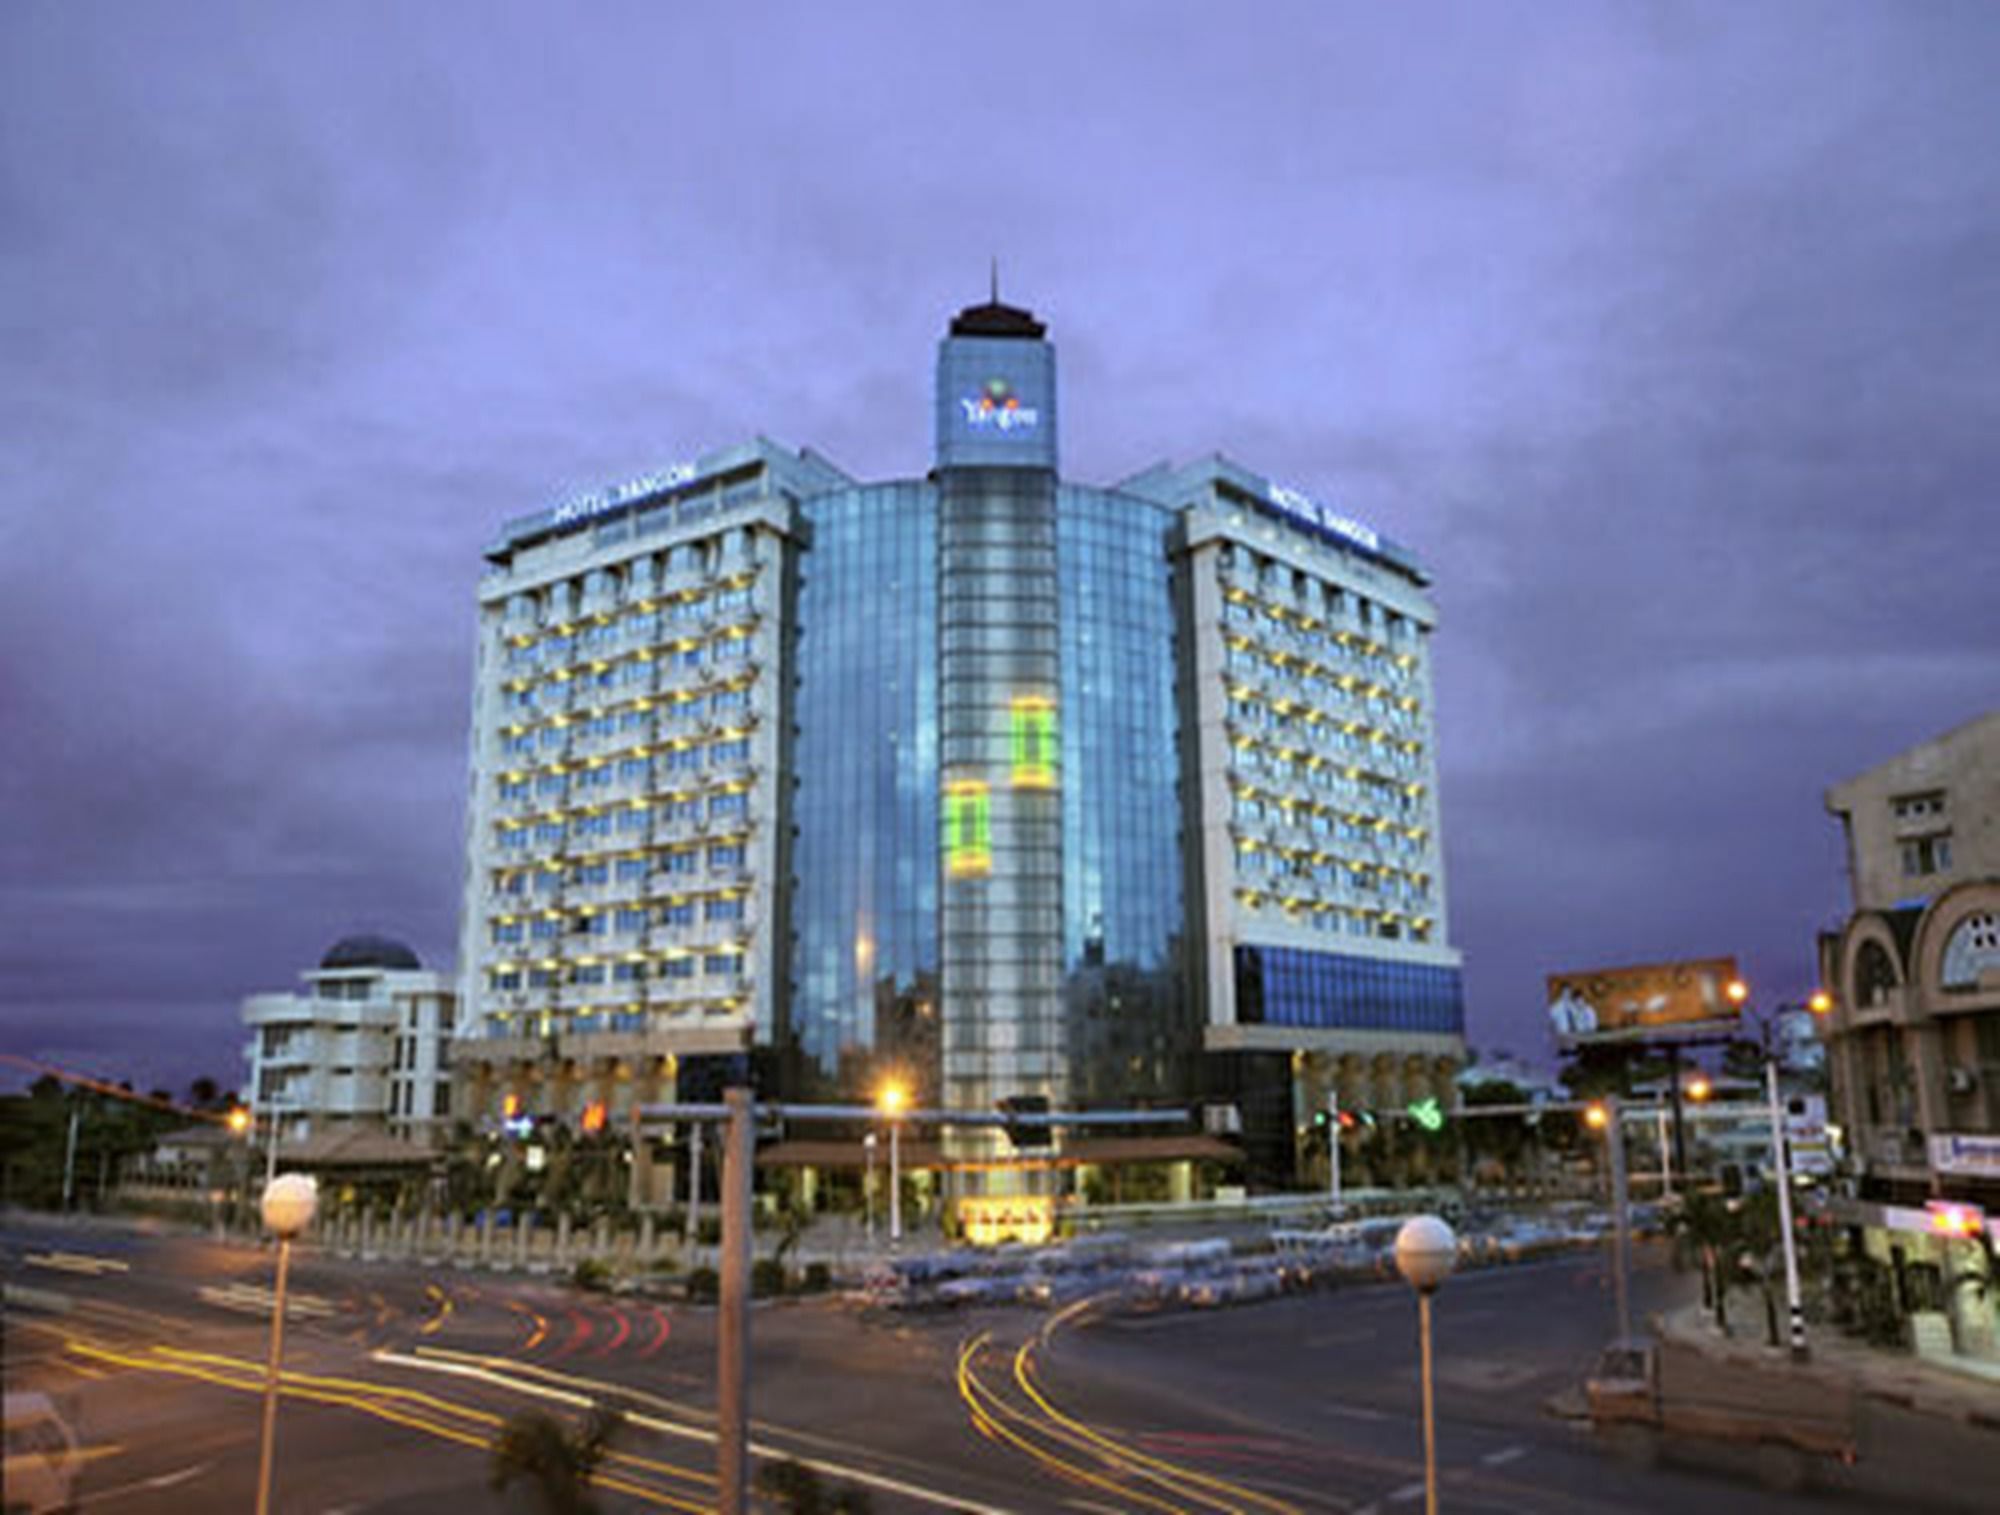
(369, 952)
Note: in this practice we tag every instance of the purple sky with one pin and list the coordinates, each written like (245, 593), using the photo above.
(1669, 336)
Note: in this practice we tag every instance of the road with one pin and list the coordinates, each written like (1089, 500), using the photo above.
(398, 1376)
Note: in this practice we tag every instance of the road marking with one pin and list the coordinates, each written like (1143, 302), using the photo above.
(158, 1481)
(1504, 1456)
(1405, 1494)
(1355, 1412)
(76, 1262)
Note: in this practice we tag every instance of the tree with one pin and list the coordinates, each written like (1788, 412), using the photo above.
(559, 1463)
(204, 1093)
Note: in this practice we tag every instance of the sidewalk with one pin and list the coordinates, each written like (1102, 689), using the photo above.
(1965, 1390)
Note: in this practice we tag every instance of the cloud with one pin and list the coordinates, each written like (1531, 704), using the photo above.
(1669, 339)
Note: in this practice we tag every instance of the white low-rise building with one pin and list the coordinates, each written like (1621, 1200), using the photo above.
(365, 1041)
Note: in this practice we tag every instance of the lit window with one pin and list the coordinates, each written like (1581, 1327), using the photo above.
(1033, 729)
(968, 829)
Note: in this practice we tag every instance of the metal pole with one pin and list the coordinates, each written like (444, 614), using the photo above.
(1674, 1093)
(1430, 1422)
(1621, 1281)
(1666, 1157)
(271, 1152)
(732, 1349)
(694, 1181)
(69, 1155)
(1793, 1305)
(271, 1378)
(895, 1182)
(1333, 1146)
(868, 1186)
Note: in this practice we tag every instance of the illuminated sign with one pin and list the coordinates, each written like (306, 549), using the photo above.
(593, 1116)
(1651, 1000)
(1032, 728)
(1295, 502)
(1951, 1218)
(1426, 1113)
(968, 829)
(582, 507)
(1974, 1156)
(997, 408)
(990, 1220)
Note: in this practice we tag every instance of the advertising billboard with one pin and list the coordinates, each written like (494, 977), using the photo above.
(1651, 1001)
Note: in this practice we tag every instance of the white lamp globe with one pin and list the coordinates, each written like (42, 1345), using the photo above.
(1426, 1250)
(289, 1203)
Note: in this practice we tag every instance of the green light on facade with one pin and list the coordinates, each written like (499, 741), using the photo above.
(1426, 1113)
(1033, 731)
(968, 829)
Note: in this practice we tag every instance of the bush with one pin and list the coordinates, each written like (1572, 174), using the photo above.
(591, 1274)
(708, 1231)
(797, 1489)
(703, 1285)
(818, 1279)
(767, 1276)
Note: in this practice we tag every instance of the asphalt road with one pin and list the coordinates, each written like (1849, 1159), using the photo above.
(397, 1377)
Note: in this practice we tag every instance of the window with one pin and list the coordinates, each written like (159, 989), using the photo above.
(1926, 855)
(728, 806)
(722, 963)
(968, 836)
(678, 913)
(729, 855)
(724, 909)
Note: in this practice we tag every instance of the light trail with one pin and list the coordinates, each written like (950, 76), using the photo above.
(1173, 1475)
(977, 1398)
(426, 1413)
(433, 1325)
(571, 1389)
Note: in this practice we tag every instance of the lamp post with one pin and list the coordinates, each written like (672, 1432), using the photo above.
(893, 1099)
(289, 1203)
(1426, 1251)
(868, 1186)
(1781, 1173)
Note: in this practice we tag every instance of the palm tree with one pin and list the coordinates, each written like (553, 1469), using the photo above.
(557, 1461)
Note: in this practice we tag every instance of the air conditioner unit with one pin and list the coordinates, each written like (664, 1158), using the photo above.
(1961, 1080)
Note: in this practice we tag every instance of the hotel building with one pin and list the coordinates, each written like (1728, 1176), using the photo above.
(1000, 783)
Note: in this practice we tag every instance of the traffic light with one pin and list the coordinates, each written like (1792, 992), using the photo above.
(1024, 1134)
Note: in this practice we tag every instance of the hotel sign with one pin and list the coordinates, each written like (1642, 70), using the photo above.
(990, 1220)
(1304, 507)
(582, 507)
(997, 408)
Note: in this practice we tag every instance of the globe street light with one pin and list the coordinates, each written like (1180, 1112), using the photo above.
(289, 1203)
(1426, 1252)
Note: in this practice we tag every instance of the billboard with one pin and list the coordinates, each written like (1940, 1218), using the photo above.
(1650, 1001)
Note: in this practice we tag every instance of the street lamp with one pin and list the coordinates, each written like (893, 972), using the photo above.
(868, 1145)
(289, 1203)
(892, 1099)
(1426, 1251)
(1781, 1166)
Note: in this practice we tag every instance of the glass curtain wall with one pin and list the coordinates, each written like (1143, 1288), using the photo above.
(1131, 1023)
(998, 711)
(863, 992)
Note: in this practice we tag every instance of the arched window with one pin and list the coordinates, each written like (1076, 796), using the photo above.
(1972, 948)
(1874, 977)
